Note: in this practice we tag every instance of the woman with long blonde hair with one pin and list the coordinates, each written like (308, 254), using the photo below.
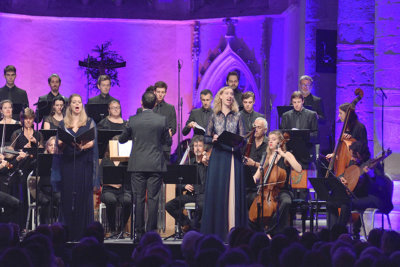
(286, 161)
(78, 164)
(225, 196)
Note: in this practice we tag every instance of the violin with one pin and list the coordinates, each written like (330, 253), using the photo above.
(265, 204)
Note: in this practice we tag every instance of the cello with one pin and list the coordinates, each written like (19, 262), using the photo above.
(265, 204)
(341, 156)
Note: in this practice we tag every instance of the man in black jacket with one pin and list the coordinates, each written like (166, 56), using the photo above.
(302, 119)
(306, 83)
(199, 116)
(12, 92)
(232, 80)
(167, 110)
(149, 132)
(45, 101)
(195, 193)
(104, 85)
(248, 114)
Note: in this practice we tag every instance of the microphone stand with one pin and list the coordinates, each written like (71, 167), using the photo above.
(383, 96)
(180, 103)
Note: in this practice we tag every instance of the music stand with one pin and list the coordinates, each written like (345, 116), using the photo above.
(179, 175)
(329, 190)
(97, 111)
(103, 136)
(10, 128)
(48, 133)
(118, 175)
(45, 162)
(299, 145)
(17, 109)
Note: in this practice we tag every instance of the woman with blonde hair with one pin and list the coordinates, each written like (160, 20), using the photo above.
(225, 196)
(286, 161)
(78, 170)
(6, 108)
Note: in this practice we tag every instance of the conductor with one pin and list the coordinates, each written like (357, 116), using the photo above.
(149, 132)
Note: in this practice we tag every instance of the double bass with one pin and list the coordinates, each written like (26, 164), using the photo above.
(341, 156)
(265, 204)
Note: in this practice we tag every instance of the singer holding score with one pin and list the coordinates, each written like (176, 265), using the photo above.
(225, 195)
(78, 168)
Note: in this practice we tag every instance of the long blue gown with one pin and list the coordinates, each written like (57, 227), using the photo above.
(78, 173)
(215, 218)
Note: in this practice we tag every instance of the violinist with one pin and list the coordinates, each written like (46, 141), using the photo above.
(9, 203)
(6, 107)
(195, 193)
(26, 137)
(252, 162)
(370, 191)
(286, 161)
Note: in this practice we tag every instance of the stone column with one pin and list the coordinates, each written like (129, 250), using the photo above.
(387, 77)
(355, 59)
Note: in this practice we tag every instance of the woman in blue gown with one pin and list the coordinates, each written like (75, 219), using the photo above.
(78, 165)
(225, 196)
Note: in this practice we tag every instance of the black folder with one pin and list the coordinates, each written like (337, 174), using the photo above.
(230, 139)
(68, 138)
(48, 133)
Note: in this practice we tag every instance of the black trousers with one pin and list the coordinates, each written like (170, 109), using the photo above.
(280, 219)
(142, 182)
(112, 197)
(11, 206)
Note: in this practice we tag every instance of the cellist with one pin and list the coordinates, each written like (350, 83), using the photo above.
(285, 160)
(355, 129)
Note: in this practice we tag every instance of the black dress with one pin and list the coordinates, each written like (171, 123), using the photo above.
(225, 183)
(78, 171)
(109, 125)
(52, 121)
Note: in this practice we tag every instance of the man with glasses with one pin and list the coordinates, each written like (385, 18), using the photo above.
(306, 84)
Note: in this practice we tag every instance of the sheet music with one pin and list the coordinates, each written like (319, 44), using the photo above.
(185, 156)
(124, 150)
(199, 127)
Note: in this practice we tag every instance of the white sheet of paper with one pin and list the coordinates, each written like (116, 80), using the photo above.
(199, 127)
(124, 150)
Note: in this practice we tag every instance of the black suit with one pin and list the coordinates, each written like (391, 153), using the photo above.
(316, 104)
(249, 118)
(168, 111)
(149, 132)
(16, 95)
(100, 99)
(201, 117)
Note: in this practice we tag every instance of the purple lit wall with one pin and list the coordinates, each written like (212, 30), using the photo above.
(355, 60)
(40, 46)
(387, 69)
